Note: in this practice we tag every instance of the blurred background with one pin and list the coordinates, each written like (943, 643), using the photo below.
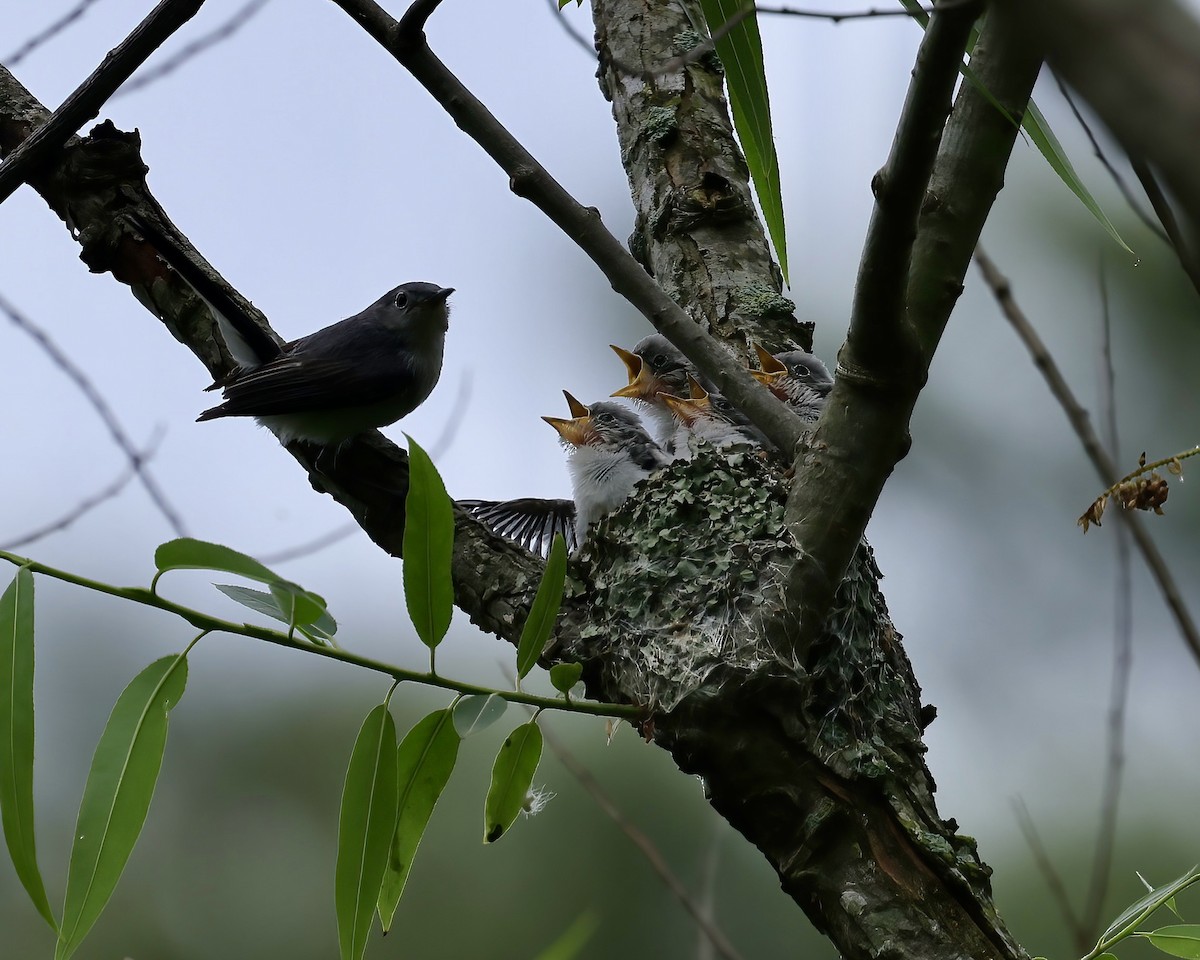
(315, 174)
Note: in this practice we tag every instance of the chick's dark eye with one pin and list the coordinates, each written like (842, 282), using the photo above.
(659, 361)
(605, 419)
(402, 300)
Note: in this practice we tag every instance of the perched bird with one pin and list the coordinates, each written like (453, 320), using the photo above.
(797, 378)
(363, 372)
(709, 416)
(654, 367)
(609, 451)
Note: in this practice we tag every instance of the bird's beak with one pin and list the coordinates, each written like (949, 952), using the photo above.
(633, 363)
(686, 411)
(442, 294)
(643, 385)
(578, 431)
(577, 409)
(768, 362)
(771, 381)
(697, 391)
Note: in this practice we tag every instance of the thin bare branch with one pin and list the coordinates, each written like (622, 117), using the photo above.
(529, 179)
(578, 38)
(223, 32)
(1106, 830)
(1046, 868)
(1092, 446)
(52, 31)
(836, 18)
(103, 410)
(1184, 249)
(646, 848)
(88, 504)
(85, 103)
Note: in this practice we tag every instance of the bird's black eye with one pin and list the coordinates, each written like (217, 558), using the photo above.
(659, 361)
(802, 370)
(605, 419)
(402, 300)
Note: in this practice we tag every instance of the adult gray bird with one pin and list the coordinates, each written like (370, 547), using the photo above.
(609, 452)
(363, 372)
(797, 378)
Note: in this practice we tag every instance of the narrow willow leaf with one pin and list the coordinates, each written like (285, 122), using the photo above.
(1039, 132)
(544, 611)
(475, 713)
(117, 795)
(428, 544)
(16, 737)
(426, 759)
(1150, 902)
(512, 776)
(573, 939)
(365, 828)
(565, 675)
(1044, 139)
(323, 628)
(740, 50)
(187, 553)
(1178, 940)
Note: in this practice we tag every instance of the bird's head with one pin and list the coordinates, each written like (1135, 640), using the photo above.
(420, 306)
(792, 376)
(654, 367)
(598, 425)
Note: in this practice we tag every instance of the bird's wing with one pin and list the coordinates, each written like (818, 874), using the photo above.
(299, 381)
(528, 522)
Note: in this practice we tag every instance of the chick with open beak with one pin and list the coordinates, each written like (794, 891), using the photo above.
(797, 378)
(707, 415)
(655, 367)
(608, 452)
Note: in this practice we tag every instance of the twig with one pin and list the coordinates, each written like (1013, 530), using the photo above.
(1046, 867)
(708, 888)
(836, 18)
(645, 846)
(1165, 213)
(1092, 446)
(203, 621)
(197, 46)
(100, 405)
(579, 38)
(87, 504)
(85, 103)
(1119, 180)
(315, 545)
(529, 179)
(1106, 830)
(57, 27)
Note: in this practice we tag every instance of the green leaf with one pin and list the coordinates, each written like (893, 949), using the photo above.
(564, 676)
(573, 939)
(542, 614)
(320, 630)
(301, 607)
(365, 828)
(1146, 905)
(426, 759)
(428, 545)
(740, 50)
(1178, 940)
(16, 737)
(187, 553)
(478, 712)
(117, 795)
(1044, 139)
(512, 776)
(1039, 132)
